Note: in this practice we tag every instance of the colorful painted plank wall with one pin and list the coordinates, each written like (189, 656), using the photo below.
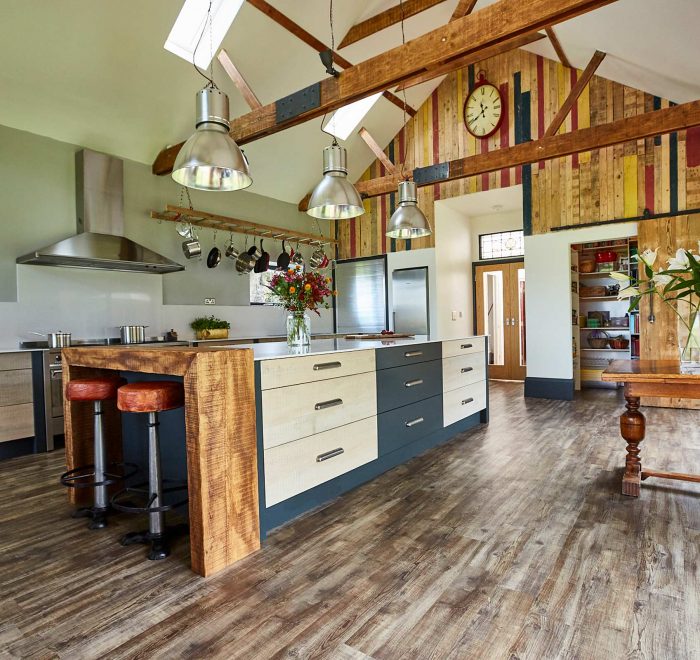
(609, 183)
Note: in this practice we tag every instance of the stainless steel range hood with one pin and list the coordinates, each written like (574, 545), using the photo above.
(100, 241)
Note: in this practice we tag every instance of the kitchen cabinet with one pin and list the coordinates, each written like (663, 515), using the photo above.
(16, 398)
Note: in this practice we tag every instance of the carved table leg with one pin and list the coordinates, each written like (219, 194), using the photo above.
(632, 429)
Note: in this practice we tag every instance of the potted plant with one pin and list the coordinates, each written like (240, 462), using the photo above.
(209, 327)
(297, 292)
(679, 287)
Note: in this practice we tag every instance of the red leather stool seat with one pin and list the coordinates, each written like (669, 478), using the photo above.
(93, 389)
(150, 396)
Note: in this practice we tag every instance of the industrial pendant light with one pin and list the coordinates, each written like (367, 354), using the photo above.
(408, 220)
(211, 159)
(335, 198)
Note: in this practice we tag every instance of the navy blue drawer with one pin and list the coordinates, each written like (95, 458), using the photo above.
(398, 356)
(403, 426)
(403, 385)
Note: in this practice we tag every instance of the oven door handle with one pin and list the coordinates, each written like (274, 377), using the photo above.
(56, 374)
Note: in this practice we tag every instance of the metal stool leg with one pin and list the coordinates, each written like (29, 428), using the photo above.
(156, 519)
(101, 505)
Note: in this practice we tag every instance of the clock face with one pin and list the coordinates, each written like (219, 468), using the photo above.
(483, 110)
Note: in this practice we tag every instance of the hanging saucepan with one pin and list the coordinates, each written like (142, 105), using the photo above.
(192, 248)
(263, 262)
(245, 262)
(254, 252)
(283, 259)
(231, 251)
(297, 257)
(317, 257)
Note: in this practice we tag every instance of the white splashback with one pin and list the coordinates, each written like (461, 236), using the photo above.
(94, 303)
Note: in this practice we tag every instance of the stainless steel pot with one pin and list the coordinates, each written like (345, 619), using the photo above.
(133, 334)
(191, 248)
(58, 339)
(317, 258)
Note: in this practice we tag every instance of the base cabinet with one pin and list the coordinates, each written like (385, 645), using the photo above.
(16, 398)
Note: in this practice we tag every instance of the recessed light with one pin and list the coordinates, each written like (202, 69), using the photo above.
(191, 22)
(346, 119)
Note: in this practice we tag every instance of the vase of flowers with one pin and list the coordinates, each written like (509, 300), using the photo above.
(299, 292)
(679, 287)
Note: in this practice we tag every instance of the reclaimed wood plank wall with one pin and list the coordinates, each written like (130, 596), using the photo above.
(614, 182)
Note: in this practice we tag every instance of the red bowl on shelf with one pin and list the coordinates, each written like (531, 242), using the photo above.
(605, 256)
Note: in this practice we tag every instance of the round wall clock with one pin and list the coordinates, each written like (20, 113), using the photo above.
(483, 109)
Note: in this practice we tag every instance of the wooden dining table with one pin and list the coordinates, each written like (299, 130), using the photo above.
(653, 378)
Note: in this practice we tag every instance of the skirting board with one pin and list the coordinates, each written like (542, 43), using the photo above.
(561, 389)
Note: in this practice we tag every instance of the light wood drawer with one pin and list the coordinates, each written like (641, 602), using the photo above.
(297, 466)
(456, 347)
(295, 412)
(15, 361)
(463, 402)
(283, 372)
(16, 422)
(15, 387)
(463, 370)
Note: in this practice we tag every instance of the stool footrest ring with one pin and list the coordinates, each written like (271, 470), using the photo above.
(141, 491)
(83, 476)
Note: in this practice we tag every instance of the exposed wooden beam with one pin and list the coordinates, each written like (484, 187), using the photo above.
(576, 91)
(300, 33)
(650, 124)
(492, 25)
(377, 150)
(238, 80)
(461, 62)
(386, 19)
(463, 8)
(558, 47)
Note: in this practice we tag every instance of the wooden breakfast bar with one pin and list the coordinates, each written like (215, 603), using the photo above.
(662, 378)
(220, 437)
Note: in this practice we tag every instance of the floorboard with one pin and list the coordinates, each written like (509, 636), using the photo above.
(511, 541)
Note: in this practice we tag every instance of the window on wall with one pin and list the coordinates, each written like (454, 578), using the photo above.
(259, 293)
(501, 245)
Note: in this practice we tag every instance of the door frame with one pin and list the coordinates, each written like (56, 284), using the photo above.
(487, 262)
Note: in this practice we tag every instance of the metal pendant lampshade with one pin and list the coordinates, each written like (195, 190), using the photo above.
(335, 198)
(210, 159)
(408, 220)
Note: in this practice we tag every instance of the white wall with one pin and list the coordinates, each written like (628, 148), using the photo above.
(416, 259)
(548, 296)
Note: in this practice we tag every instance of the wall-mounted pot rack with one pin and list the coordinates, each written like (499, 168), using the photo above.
(224, 223)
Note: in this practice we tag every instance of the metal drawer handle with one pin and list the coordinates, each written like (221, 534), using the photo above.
(56, 374)
(467, 346)
(466, 401)
(418, 420)
(413, 383)
(327, 365)
(330, 454)
(328, 404)
(467, 369)
(413, 353)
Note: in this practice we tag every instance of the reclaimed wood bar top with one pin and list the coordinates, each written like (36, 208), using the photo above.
(655, 372)
(220, 438)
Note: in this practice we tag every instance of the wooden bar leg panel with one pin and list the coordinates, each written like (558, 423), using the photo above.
(632, 426)
(221, 459)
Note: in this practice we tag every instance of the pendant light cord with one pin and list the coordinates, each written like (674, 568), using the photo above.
(209, 78)
(403, 92)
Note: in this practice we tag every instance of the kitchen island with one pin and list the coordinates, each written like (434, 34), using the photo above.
(270, 434)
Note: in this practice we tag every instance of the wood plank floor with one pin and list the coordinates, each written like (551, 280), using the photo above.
(511, 541)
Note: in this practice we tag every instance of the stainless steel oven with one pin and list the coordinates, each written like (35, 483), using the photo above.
(53, 395)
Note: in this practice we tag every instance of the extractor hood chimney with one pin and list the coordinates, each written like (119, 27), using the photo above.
(100, 241)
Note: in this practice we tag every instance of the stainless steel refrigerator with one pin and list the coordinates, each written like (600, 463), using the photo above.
(410, 300)
(361, 305)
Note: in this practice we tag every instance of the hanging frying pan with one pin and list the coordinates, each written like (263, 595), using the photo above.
(214, 257)
(263, 262)
(283, 259)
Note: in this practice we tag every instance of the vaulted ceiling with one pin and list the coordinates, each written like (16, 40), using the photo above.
(96, 74)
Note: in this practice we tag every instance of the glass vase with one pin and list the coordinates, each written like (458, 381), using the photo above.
(689, 345)
(298, 329)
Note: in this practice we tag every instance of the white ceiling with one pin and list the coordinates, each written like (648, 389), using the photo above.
(96, 74)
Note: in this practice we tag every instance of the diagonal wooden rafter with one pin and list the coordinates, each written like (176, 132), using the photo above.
(300, 33)
(499, 22)
(650, 124)
(558, 47)
(377, 150)
(238, 80)
(386, 19)
(576, 91)
(463, 8)
(461, 62)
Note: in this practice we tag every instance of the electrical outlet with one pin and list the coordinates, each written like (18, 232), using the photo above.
(454, 315)
(210, 301)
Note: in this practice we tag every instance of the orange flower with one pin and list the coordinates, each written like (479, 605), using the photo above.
(328, 279)
(292, 289)
(335, 293)
(307, 287)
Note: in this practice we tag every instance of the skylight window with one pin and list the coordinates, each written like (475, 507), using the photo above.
(190, 22)
(346, 119)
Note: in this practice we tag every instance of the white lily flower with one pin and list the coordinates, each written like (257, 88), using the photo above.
(680, 261)
(648, 257)
(661, 280)
(628, 292)
(620, 277)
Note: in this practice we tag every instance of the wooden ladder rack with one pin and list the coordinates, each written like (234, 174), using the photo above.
(224, 223)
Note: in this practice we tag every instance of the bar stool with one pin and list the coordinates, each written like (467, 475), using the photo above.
(151, 397)
(96, 476)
